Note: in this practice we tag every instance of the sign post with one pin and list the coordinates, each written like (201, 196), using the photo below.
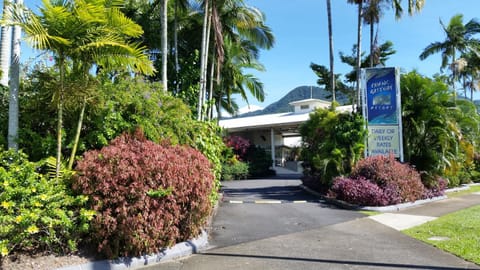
(382, 111)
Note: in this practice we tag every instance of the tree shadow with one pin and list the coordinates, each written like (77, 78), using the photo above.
(341, 262)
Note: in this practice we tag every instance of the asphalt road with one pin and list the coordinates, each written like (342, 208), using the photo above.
(274, 224)
(270, 207)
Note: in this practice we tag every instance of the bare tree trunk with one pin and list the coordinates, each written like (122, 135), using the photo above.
(359, 53)
(60, 116)
(372, 44)
(175, 46)
(330, 39)
(14, 84)
(6, 43)
(210, 92)
(204, 61)
(164, 44)
(77, 134)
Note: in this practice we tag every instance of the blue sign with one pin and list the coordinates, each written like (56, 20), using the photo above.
(381, 107)
(381, 96)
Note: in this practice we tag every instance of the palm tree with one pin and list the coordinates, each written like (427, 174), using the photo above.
(330, 42)
(459, 38)
(238, 58)
(110, 52)
(470, 74)
(70, 29)
(243, 28)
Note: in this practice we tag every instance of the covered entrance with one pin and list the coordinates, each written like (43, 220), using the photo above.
(278, 133)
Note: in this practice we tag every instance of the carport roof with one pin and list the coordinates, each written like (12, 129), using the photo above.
(264, 121)
(279, 120)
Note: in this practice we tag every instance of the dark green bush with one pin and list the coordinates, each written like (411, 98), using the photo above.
(114, 108)
(259, 162)
(235, 171)
(146, 196)
(332, 143)
(37, 214)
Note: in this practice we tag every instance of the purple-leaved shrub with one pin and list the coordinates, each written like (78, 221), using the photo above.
(382, 180)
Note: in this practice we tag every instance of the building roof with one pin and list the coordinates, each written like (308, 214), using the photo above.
(265, 121)
(309, 101)
(278, 120)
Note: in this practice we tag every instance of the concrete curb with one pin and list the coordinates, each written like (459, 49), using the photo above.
(179, 250)
(389, 208)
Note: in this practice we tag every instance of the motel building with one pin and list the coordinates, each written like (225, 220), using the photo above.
(278, 133)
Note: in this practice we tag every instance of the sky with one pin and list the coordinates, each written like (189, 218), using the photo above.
(300, 29)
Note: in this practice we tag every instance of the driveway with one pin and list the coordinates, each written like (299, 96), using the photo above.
(258, 209)
(274, 224)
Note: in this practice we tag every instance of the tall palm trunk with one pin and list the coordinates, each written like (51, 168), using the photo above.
(330, 39)
(359, 52)
(6, 44)
(372, 43)
(14, 85)
(210, 92)
(175, 47)
(203, 60)
(79, 123)
(164, 39)
(60, 115)
(77, 134)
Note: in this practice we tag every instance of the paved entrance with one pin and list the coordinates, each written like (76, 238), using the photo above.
(273, 224)
(258, 209)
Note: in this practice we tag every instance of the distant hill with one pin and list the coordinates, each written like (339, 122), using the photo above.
(299, 93)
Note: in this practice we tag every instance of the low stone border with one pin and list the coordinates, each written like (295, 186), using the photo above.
(389, 208)
(179, 250)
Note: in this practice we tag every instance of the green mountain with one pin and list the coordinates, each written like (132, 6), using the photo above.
(299, 93)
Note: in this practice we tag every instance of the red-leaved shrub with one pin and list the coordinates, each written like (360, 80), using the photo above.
(399, 182)
(357, 191)
(146, 196)
(239, 146)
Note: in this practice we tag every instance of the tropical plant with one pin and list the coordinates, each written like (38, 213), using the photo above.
(332, 144)
(460, 38)
(38, 214)
(235, 25)
(381, 56)
(325, 79)
(372, 13)
(438, 132)
(469, 76)
(56, 29)
(382, 180)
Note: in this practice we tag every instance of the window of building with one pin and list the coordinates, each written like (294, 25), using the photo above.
(304, 107)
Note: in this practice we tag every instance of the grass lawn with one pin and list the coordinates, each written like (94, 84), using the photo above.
(464, 192)
(462, 229)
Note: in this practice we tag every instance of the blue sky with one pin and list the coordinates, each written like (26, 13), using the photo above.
(300, 28)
